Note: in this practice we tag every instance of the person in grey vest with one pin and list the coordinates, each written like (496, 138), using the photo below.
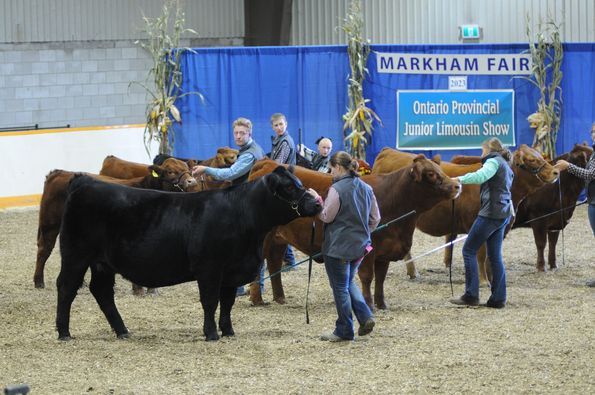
(495, 177)
(587, 174)
(350, 213)
(238, 173)
(283, 152)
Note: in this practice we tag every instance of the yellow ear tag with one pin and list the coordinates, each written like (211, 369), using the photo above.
(154, 174)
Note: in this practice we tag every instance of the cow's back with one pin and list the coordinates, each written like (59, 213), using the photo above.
(119, 168)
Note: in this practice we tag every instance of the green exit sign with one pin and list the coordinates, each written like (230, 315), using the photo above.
(470, 32)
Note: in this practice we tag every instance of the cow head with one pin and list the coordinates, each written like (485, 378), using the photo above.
(289, 189)
(529, 159)
(424, 170)
(174, 174)
(225, 157)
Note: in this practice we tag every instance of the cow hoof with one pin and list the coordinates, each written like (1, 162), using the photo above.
(124, 336)
(280, 300)
(228, 333)
(541, 268)
(65, 338)
(381, 306)
(39, 283)
(212, 338)
(153, 291)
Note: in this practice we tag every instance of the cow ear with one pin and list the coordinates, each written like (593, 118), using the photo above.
(437, 159)
(417, 168)
(273, 179)
(155, 171)
(191, 163)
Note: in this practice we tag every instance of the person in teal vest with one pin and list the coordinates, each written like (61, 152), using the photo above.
(495, 177)
(350, 213)
(238, 173)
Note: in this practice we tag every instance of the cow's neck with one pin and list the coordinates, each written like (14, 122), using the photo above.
(523, 184)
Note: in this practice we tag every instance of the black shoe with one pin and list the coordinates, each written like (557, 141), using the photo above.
(465, 301)
(495, 305)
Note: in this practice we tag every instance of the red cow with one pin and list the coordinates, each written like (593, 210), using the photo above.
(531, 172)
(546, 200)
(417, 187)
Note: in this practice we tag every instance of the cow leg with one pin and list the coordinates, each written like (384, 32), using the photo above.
(366, 275)
(227, 297)
(209, 298)
(137, 290)
(551, 254)
(411, 269)
(68, 282)
(380, 270)
(484, 267)
(102, 289)
(274, 263)
(540, 236)
(46, 240)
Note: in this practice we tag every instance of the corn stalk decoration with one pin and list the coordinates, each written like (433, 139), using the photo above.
(547, 54)
(358, 120)
(164, 79)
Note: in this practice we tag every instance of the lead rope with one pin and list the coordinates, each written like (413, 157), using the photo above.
(563, 218)
(310, 268)
(452, 229)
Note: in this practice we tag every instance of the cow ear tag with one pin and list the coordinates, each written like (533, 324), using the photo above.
(154, 174)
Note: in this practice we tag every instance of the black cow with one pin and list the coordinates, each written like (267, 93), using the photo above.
(156, 239)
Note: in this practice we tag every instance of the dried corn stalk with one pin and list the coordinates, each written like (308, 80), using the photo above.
(547, 54)
(358, 121)
(164, 79)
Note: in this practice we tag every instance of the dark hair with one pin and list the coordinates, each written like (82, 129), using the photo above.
(345, 160)
(495, 145)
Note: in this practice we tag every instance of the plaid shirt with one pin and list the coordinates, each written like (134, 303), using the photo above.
(588, 173)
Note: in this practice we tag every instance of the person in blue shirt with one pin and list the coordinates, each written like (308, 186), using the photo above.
(495, 177)
(238, 173)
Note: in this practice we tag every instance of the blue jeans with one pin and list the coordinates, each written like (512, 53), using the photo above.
(289, 258)
(347, 295)
(489, 231)
(591, 212)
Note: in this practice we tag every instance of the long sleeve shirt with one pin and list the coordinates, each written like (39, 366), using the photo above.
(587, 174)
(332, 203)
(487, 171)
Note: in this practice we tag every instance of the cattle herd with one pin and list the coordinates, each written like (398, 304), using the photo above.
(156, 225)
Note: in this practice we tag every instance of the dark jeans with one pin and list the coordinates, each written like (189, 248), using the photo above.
(489, 231)
(289, 258)
(347, 295)
(591, 212)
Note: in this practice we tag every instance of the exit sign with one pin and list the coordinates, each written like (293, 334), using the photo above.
(469, 32)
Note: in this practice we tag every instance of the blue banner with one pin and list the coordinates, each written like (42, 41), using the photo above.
(436, 119)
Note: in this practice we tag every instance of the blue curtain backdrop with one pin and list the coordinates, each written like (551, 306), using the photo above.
(309, 85)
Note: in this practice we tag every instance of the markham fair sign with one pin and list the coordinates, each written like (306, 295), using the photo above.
(456, 118)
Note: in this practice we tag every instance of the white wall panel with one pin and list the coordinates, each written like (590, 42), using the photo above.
(314, 22)
(24, 21)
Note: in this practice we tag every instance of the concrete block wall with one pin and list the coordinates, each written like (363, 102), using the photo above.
(80, 84)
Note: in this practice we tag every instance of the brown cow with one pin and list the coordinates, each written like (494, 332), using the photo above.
(531, 172)
(423, 179)
(546, 200)
(54, 196)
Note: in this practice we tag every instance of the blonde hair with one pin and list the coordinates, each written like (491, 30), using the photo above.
(276, 116)
(345, 160)
(245, 122)
(495, 145)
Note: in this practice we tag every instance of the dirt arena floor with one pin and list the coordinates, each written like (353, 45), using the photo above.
(542, 342)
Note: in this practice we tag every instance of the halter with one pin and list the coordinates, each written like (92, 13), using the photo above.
(176, 183)
(533, 171)
(294, 204)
